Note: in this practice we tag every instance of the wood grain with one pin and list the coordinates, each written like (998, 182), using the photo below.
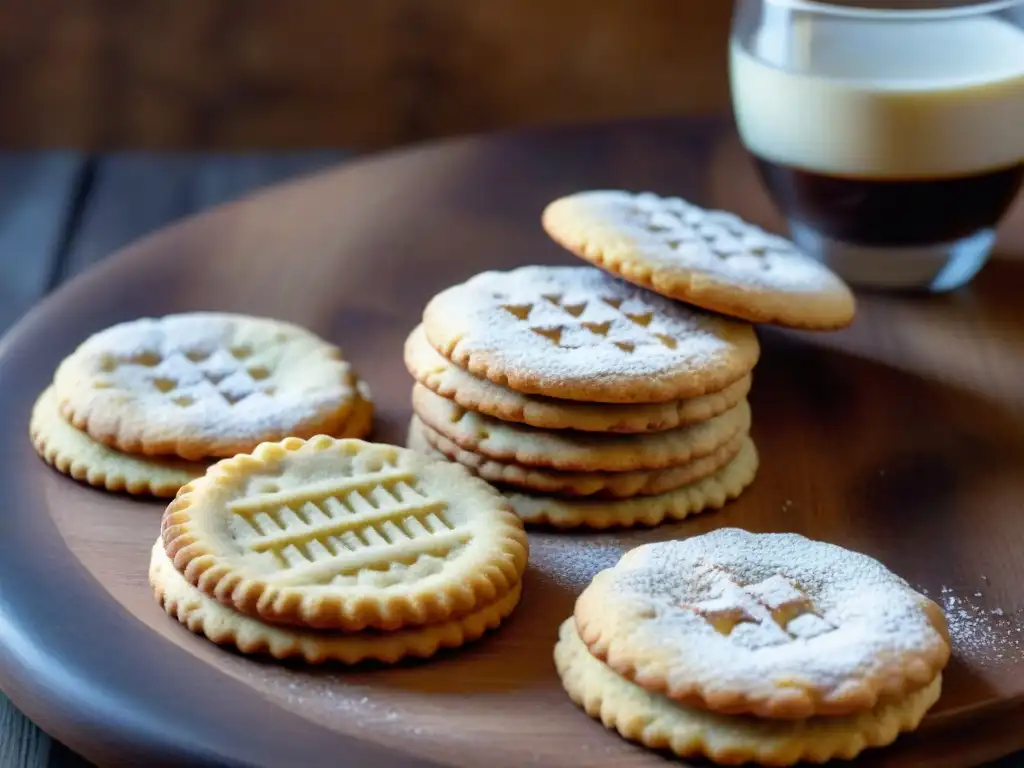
(901, 437)
(36, 197)
(201, 74)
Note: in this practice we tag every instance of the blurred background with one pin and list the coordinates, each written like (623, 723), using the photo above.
(120, 116)
(237, 74)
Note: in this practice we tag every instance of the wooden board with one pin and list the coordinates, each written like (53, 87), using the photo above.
(902, 437)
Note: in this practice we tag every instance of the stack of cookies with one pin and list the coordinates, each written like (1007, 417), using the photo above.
(589, 401)
(338, 550)
(768, 648)
(597, 403)
(145, 406)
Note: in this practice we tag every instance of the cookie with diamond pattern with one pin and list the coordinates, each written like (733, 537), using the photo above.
(344, 535)
(773, 625)
(708, 258)
(577, 333)
(204, 385)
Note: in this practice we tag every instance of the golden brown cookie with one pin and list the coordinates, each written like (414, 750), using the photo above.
(474, 393)
(712, 259)
(224, 626)
(344, 534)
(77, 455)
(613, 485)
(204, 384)
(774, 625)
(661, 723)
(577, 451)
(579, 334)
(73, 453)
(713, 492)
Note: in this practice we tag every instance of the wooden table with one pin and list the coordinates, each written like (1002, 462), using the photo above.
(62, 212)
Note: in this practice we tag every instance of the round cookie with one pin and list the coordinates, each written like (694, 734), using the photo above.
(219, 624)
(572, 451)
(660, 723)
(774, 625)
(204, 384)
(74, 453)
(615, 485)
(474, 393)
(345, 535)
(577, 333)
(713, 492)
(712, 259)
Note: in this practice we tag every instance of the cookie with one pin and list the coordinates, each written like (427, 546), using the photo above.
(473, 393)
(712, 259)
(661, 723)
(73, 453)
(713, 492)
(77, 455)
(220, 624)
(773, 625)
(577, 451)
(616, 485)
(203, 384)
(345, 535)
(577, 333)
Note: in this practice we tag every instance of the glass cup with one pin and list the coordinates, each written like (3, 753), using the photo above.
(892, 139)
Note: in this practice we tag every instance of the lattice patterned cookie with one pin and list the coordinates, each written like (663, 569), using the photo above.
(574, 451)
(224, 626)
(660, 723)
(204, 384)
(615, 485)
(579, 334)
(343, 534)
(473, 393)
(774, 625)
(713, 492)
(712, 259)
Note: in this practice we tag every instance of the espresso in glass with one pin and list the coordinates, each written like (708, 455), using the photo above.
(891, 139)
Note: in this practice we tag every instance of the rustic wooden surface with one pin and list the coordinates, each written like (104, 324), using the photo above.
(84, 207)
(207, 74)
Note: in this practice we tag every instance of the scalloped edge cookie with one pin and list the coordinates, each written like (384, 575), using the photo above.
(577, 452)
(196, 540)
(205, 616)
(660, 723)
(713, 492)
(487, 325)
(606, 485)
(73, 453)
(871, 637)
(117, 384)
(443, 377)
(666, 245)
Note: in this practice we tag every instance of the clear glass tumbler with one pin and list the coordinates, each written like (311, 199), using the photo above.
(891, 138)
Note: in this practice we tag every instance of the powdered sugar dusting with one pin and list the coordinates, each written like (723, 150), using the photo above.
(578, 324)
(981, 634)
(572, 561)
(669, 232)
(214, 376)
(728, 608)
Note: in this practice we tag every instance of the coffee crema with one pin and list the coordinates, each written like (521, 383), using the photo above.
(902, 133)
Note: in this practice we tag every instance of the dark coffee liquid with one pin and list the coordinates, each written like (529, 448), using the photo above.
(892, 212)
